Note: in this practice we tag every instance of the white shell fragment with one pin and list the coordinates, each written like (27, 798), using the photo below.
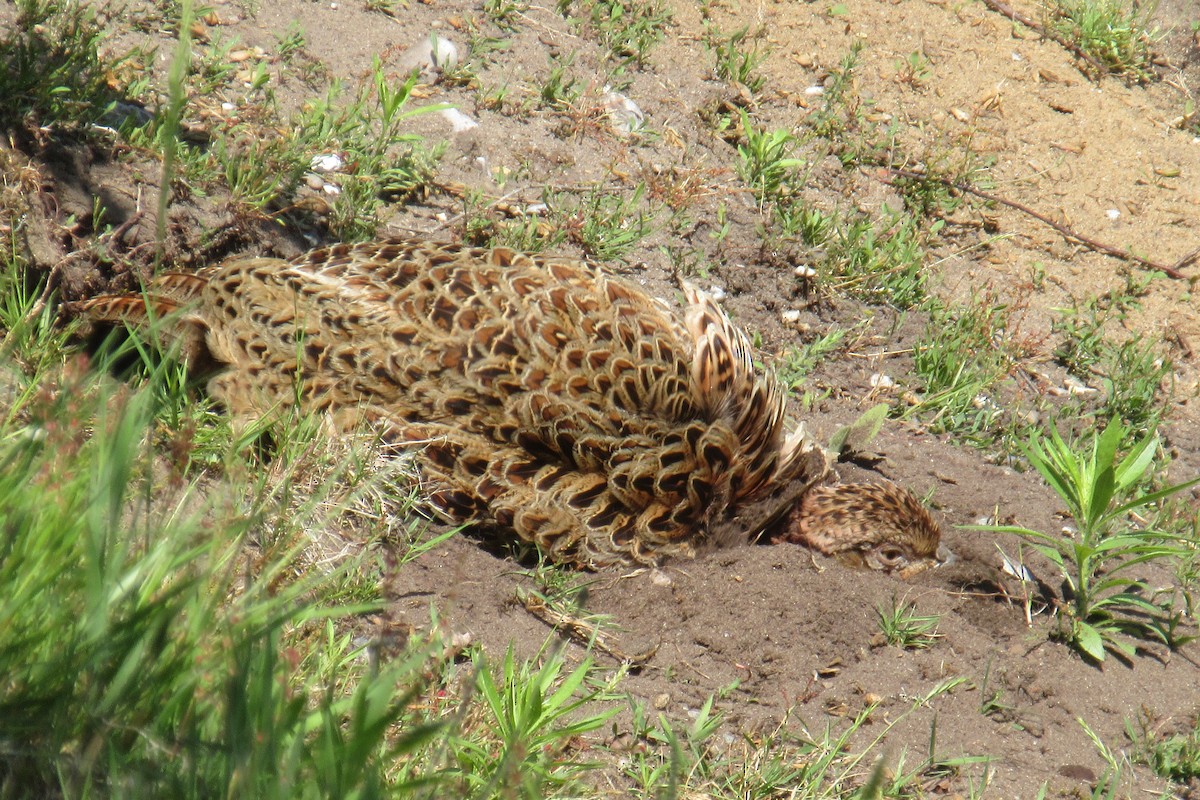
(326, 162)
(429, 53)
(623, 113)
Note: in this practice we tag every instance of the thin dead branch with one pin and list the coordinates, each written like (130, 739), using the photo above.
(1087, 241)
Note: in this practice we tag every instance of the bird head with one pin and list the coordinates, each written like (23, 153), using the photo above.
(878, 526)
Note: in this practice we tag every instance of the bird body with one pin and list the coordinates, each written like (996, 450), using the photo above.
(540, 395)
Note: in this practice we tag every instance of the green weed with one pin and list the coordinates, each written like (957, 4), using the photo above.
(1105, 603)
(1174, 756)
(1114, 32)
(734, 62)
(51, 66)
(764, 161)
(1132, 372)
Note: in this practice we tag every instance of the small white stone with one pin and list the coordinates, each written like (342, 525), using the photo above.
(791, 316)
(227, 106)
(717, 293)
(804, 271)
(331, 189)
(881, 381)
(813, 91)
(536, 209)
(1113, 214)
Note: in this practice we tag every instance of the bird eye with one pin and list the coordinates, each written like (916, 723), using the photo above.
(891, 556)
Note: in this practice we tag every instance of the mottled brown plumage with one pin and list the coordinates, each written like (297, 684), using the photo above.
(541, 395)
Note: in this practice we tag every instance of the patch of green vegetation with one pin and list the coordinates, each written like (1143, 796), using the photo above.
(796, 363)
(1174, 756)
(960, 359)
(692, 761)
(1113, 32)
(902, 626)
(1133, 373)
(1106, 605)
(764, 161)
(607, 226)
(51, 66)
(628, 29)
(736, 59)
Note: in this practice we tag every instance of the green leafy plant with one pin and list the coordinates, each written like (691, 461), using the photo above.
(534, 716)
(1104, 600)
(764, 162)
(1174, 756)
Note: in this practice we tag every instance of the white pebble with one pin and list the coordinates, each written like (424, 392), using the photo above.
(791, 316)
(881, 381)
(717, 293)
(1113, 214)
(804, 271)
(813, 91)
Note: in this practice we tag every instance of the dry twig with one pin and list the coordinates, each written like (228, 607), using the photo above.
(1087, 241)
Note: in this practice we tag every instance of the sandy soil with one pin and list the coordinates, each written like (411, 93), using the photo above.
(773, 628)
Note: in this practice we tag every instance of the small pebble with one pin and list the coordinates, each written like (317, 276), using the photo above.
(881, 381)
(717, 293)
(791, 316)
(804, 271)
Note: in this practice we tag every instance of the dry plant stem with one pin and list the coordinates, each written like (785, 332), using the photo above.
(583, 632)
(1016, 16)
(1092, 244)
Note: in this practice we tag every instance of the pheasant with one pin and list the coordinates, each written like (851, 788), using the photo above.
(541, 397)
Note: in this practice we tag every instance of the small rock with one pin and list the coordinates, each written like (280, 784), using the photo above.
(881, 381)
(661, 701)
(717, 294)
(790, 317)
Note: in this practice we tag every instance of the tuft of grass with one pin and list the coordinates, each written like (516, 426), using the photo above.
(764, 160)
(735, 60)
(140, 654)
(902, 626)
(1105, 604)
(629, 29)
(961, 357)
